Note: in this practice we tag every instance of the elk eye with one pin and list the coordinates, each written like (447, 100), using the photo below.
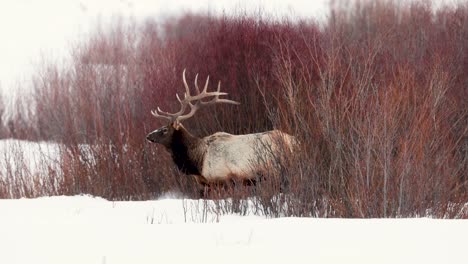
(164, 130)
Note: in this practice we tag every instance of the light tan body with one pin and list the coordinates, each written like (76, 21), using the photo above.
(242, 157)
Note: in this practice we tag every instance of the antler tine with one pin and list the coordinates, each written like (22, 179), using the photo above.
(206, 84)
(178, 98)
(187, 90)
(196, 84)
(163, 112)
(175, 115)
(171, 117)
(216, 99)
(200, 94)
(156, 114)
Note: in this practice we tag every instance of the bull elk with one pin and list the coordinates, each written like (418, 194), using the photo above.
(221, 157)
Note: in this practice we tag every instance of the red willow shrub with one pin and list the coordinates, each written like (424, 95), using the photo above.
(385, 124)
(102, 98)
(375, 95)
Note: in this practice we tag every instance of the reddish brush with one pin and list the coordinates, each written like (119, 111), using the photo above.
(376, 96)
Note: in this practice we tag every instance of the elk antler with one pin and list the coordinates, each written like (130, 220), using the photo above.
(188, 99)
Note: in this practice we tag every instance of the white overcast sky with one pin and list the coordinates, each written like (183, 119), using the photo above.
(31, 29)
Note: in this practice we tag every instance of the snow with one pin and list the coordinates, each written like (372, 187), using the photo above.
(84, 229)
(17, 156)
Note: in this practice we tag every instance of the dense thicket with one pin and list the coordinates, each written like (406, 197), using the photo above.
(377, 96)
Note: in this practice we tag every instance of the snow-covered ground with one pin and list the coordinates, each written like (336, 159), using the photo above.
(84, 229)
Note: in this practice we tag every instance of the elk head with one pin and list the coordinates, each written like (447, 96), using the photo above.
(165, 134)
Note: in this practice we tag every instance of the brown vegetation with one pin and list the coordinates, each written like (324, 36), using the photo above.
(376, 96)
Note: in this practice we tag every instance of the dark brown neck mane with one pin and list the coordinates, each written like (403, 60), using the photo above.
(187, 151)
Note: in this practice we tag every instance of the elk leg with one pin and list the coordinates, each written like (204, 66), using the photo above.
(204, 191)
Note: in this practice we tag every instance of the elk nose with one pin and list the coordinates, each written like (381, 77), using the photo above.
(149, 138)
